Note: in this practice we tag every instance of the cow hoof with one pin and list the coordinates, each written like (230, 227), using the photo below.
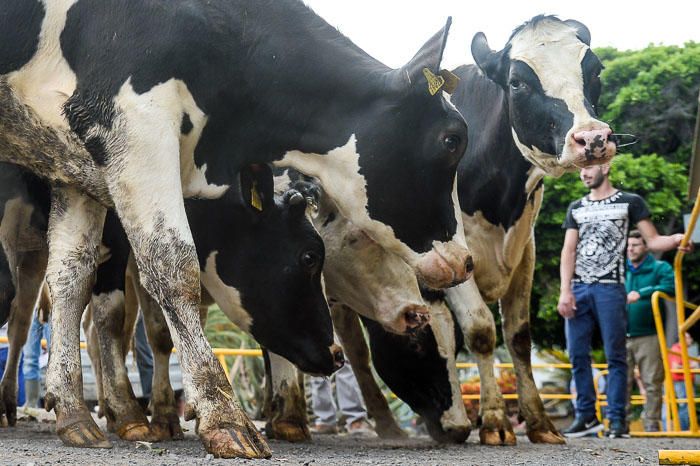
(83, 434)
(232, 443)
(135, 432)
(551, 437)
(289, 431)
(166, 428)
(497, 437)
(390, 431)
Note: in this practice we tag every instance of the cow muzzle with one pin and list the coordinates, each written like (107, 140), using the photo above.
(592, 147)
(446, 265)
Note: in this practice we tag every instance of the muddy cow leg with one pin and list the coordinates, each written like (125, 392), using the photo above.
(352, 339)
(93, 351)
(144, 181)
(75, 229)
(31, 267)
(479, 329)
(165, 422)
(285, 405)
(114, 328)
(515, 312)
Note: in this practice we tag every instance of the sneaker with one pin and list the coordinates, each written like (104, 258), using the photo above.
(324, 429)
(618, 429)
(361, 428)
(582, 428)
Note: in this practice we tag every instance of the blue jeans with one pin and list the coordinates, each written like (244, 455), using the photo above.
(602, 304)
(32, 348)
(144, 357)
(20, 376)
(679, 387)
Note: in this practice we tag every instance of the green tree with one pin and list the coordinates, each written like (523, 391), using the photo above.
(653, 94)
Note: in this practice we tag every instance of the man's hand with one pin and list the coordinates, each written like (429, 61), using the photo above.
(632, 297)
(567, 304)
(688, 248)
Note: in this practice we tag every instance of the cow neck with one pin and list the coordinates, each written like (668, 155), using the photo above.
(493, 174)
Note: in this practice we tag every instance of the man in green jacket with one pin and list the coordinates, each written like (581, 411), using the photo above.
(645, 275)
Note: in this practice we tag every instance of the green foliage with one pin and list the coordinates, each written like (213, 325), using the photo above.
(652, 93)
(247, 373)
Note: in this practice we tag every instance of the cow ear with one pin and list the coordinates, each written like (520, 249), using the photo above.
(582, 31)
(493, 64)
(257, 187)
(428, 57)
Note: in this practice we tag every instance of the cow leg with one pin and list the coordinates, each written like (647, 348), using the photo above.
(515, 312)
(285, 405)
(93, 351)
(347, 326)
(145, 183)
(114, 328)
(75, 229)
(31, 268)
(479, 329)
(165, 422)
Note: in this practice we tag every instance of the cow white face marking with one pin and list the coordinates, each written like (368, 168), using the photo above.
(552, 50)
(227, 297)
(46, 81)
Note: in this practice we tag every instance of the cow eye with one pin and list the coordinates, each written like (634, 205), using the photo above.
(452, 142)
(310, 260)
(516, 84)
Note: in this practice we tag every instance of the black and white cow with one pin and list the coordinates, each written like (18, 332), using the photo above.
(531, 110)
(135, 104)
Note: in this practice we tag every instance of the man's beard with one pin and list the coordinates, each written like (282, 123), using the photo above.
(597, 181)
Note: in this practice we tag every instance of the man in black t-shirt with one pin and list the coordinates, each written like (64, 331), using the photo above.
(593, 291)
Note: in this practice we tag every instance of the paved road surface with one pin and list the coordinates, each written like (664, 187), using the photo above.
(33, 442)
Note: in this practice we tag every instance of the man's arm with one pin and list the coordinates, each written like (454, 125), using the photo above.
(665, 281)
(567, 302)
(660, 243)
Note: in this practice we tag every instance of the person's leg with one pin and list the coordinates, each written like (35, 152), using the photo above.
(630, 374)
(32, 352)
(21, 395)
(349, 395)
(652, 373)
(610, 302)
(322, 401)
(144, 357)
(579, 330)
(679, 387)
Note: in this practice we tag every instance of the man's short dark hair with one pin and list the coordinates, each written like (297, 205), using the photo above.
(637, 234)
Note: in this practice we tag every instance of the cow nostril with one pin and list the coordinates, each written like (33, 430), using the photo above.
(469, 265)
(338, 357)
(415, 319)
(579, 139)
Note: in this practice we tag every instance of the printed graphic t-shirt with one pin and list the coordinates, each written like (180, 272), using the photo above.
(602, 230)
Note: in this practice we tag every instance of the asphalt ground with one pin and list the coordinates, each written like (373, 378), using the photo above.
(32, 442)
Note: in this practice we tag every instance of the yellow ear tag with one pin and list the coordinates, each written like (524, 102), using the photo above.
(255, 200)
(434, 82)
(451, 81)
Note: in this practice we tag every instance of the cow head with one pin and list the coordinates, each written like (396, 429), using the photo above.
(272, 257)
(551, 78)
(359, 272)
(394, 178)
(420, 369)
